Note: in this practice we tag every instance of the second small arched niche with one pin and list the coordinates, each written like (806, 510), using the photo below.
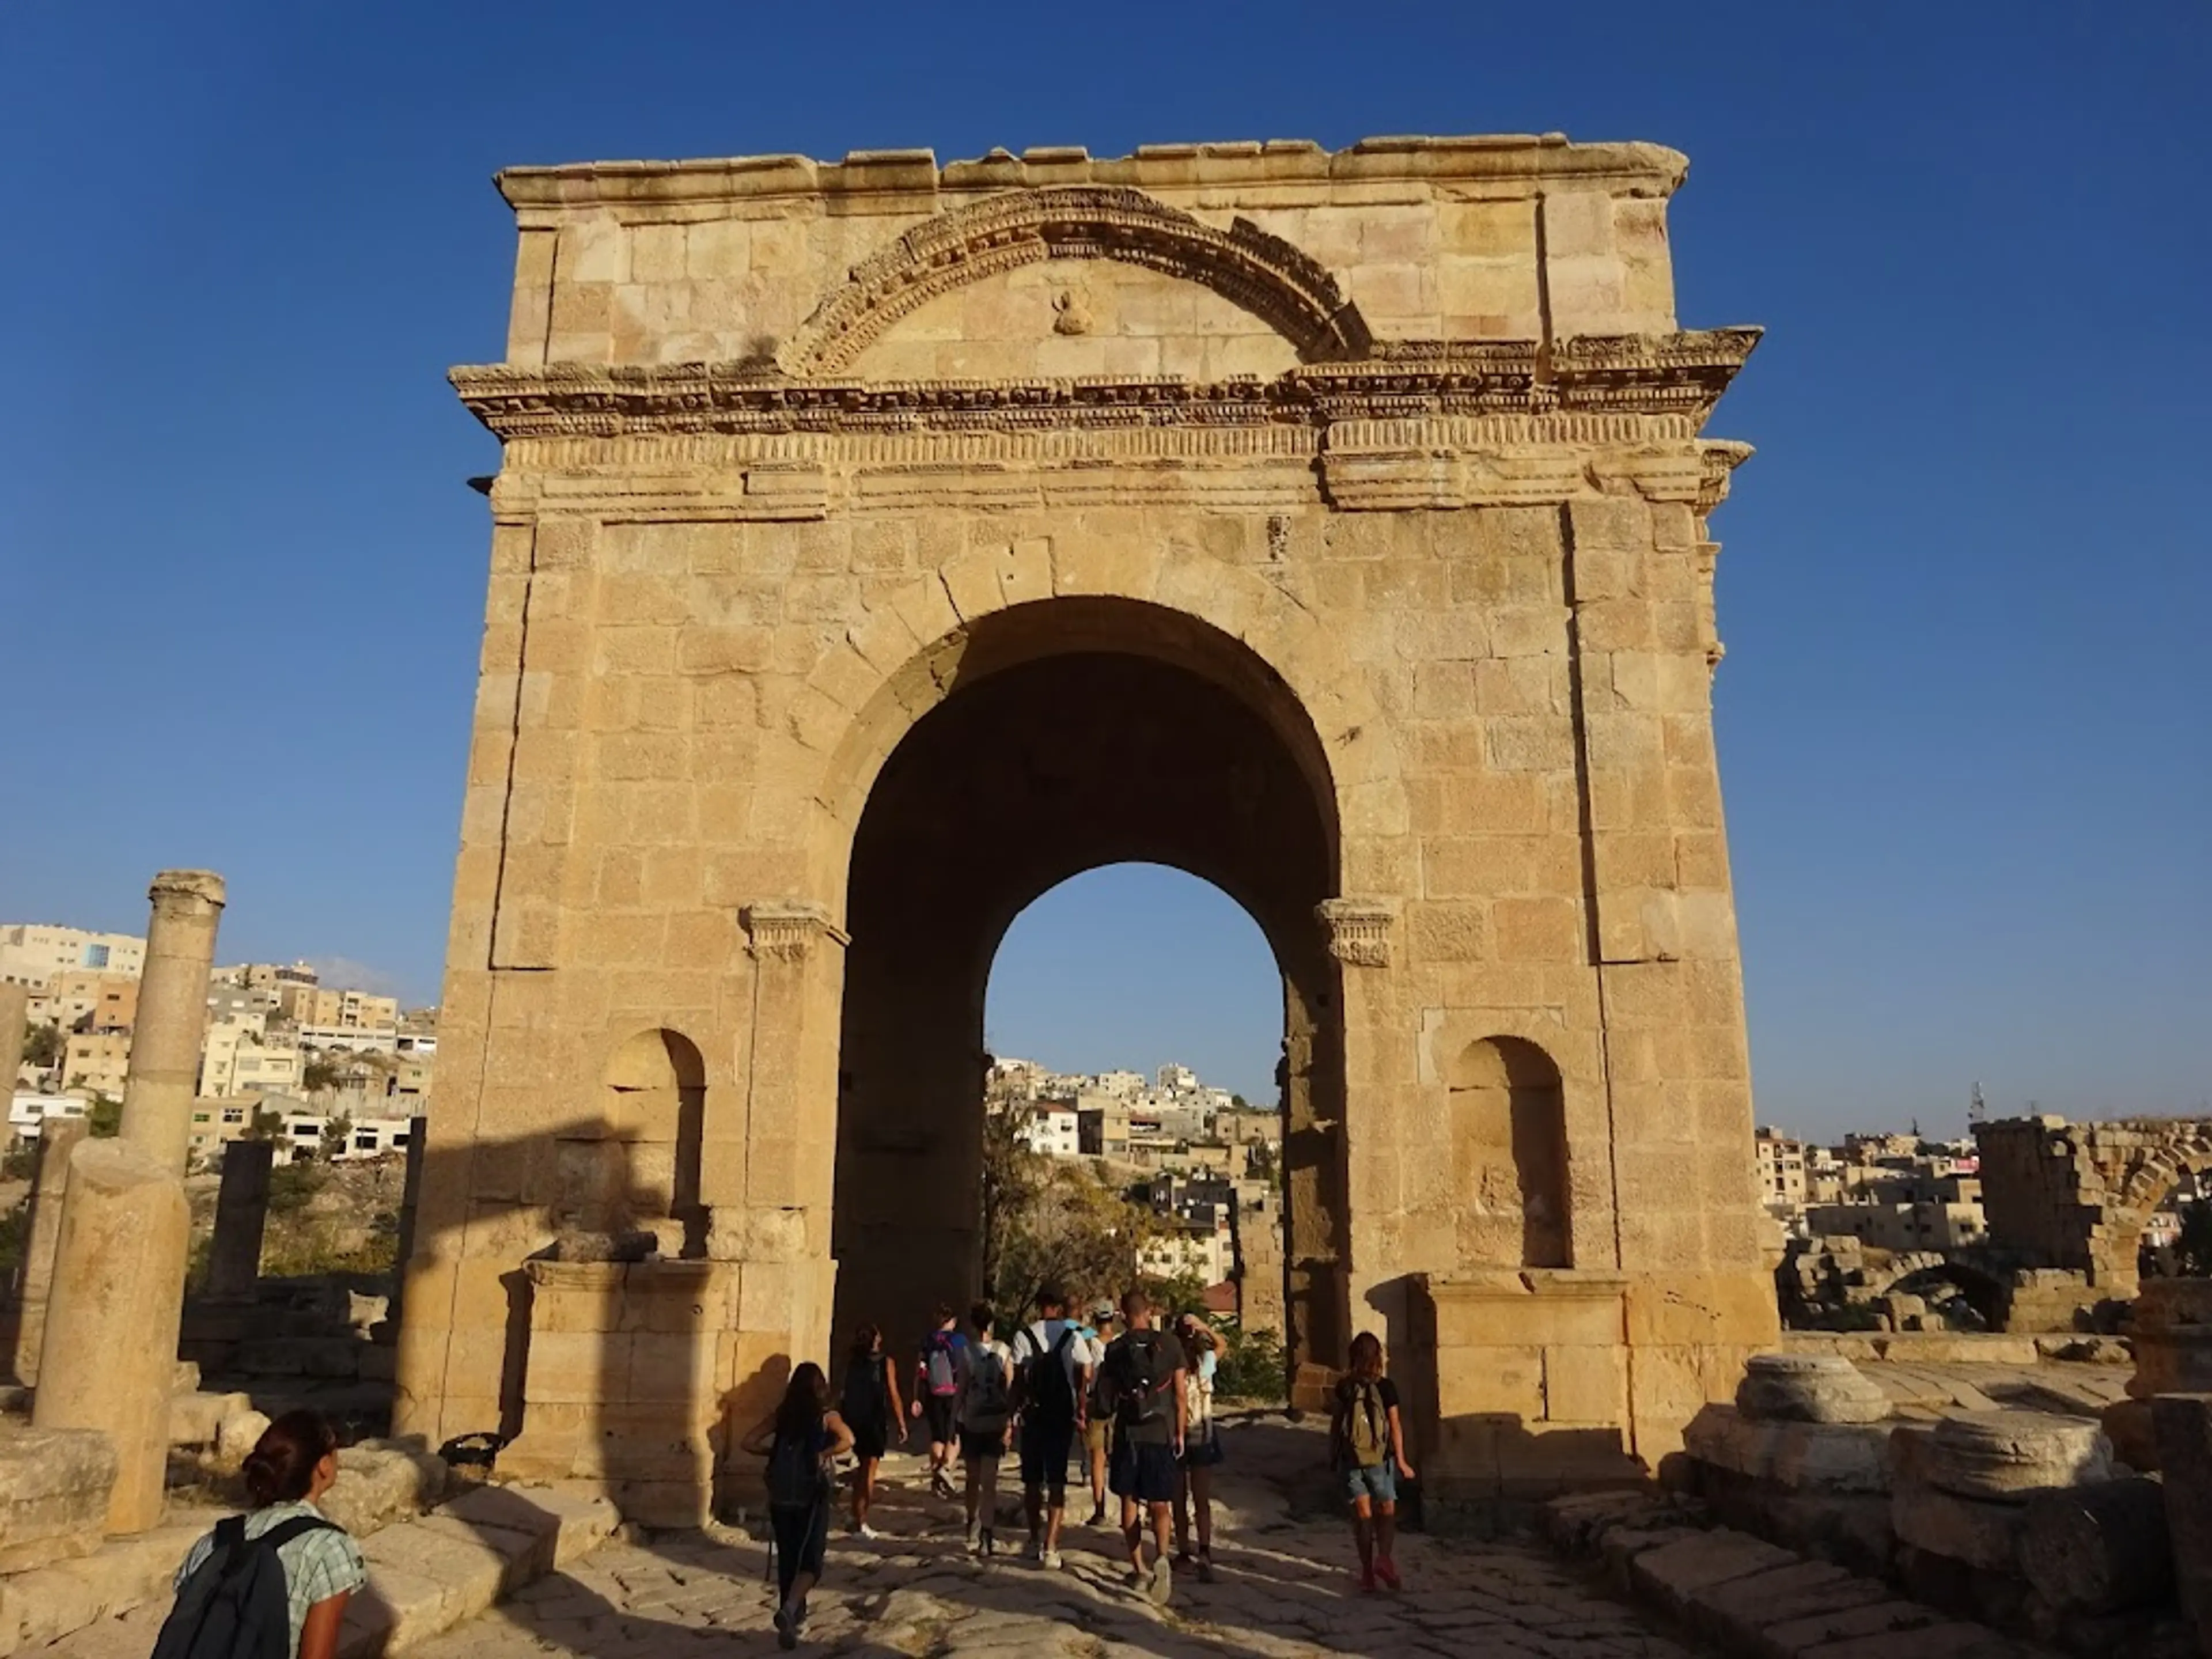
(1508, 1148)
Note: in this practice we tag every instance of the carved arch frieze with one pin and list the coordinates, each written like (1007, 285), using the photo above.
(1274, 281)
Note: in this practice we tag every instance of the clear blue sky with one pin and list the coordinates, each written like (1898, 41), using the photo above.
(1964, 715)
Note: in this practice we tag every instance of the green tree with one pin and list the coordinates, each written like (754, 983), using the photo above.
(267, 1125)
(44, 1045)
(105, 1120)
(319, 1075)
(1077, 1233)
(1014, 1175)
(338, 1136)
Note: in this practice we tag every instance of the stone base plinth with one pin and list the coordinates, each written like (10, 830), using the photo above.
(53, 1495)
(1533, 1383)
(636, 1373)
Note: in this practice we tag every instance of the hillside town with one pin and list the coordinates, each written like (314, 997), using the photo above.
(322, 1070)
(1203, 1160)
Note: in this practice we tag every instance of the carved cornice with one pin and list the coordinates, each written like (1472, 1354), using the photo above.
(1358, 930)
(1678, 374)
(784, 930)
(1267, 275)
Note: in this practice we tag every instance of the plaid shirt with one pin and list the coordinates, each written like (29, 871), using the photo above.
(317, 1565)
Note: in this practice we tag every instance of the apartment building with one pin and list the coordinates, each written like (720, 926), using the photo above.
(32, 953)
(96, 1061)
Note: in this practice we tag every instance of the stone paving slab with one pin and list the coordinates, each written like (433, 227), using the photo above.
(1751, 1598)
(1284, 1589)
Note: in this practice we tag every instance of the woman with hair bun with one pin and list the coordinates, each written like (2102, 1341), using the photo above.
(291, 1466)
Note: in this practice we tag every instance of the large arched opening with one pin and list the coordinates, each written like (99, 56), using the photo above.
(1079, 732)
(1130, 1124)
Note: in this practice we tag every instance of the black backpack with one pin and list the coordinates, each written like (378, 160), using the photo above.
(1047, 1388)
(864, 1401)
(236, 1604)
(796, 1479)
(1141, 1380)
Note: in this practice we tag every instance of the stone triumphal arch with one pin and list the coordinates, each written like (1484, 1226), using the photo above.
(877, 545)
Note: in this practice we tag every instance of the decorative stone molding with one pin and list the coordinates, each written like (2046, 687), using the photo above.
(1522, 164)
(1681, 375)
(1358, 930)
(1264, 274)
(784, 930)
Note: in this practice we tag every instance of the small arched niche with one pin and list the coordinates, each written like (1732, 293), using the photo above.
(1509, 1156)
(639, 1172)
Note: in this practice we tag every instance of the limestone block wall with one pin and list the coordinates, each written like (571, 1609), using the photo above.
(1393, 455)
(1432, 239)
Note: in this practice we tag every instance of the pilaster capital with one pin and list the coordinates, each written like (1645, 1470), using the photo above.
(1358, 930)
(784, 930)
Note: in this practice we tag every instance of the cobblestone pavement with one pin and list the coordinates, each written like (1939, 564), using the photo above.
(1284, 1591)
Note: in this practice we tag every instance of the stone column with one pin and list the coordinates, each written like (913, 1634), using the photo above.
(165, 1040)
(111, 1343)
(58, 1139)
(15, 1014)
(411, 1193)
(241, 1210)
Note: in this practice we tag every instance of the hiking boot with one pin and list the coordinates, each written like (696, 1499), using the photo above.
(1386, 1570)
(1163, 1585)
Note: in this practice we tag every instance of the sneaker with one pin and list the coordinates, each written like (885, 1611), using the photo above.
(1032, 1551)
(941, 1486)
(1163, 1584)
(1205, 1568)
(1386, 1571)
(974, 1545)
(1052, 1561)
(786, 1629)
(1367, 1581)
(990, 1543)
(864, 1530)
(1097, 1517)
(1184, 1560)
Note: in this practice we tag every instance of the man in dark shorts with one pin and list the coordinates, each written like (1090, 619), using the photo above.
(1145, 1376)
(1052, 1382)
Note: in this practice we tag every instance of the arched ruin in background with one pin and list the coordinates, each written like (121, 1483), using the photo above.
(859, 526)
(2075, 1196)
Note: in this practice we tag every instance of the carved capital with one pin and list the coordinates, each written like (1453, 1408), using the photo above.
(784, 930)
(1358, 930)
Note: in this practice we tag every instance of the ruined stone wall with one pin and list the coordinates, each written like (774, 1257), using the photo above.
(800, 458)
(2075, 1195)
